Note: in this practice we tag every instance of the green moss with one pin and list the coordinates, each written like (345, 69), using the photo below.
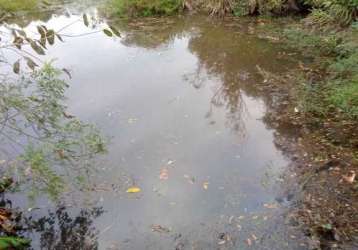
(145, 8)
(17, 5)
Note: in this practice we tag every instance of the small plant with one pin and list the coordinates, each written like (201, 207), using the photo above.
(57, 148)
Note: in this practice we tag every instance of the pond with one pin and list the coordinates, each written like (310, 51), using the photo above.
(181, 103)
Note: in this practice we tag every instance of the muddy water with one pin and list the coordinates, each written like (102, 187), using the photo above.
(179, 99)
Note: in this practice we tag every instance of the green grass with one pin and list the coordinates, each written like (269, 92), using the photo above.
(144, 8)
(344, 96)
(335, 54)
(17, 5)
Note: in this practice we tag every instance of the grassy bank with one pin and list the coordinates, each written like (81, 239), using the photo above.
(323, 11)
(328, 89)
(17, 5)
(146, 7)
(321, 97)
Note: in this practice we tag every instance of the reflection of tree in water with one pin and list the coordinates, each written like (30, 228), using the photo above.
(44, 12)
(232, 100)
(60, 230)
(224, 52)
(232, 56)
(151, 33)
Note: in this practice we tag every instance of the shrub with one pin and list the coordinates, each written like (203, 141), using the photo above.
(342, 11)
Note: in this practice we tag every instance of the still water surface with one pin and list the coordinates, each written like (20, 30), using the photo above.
(180, 100)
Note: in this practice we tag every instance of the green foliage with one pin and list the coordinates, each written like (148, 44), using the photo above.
(5, 183)
(57, 148)
(314, 43)
(17, 5)
(44, 179)
(343, 12)
(336, 53)
(16, 243)
(241, 8)
(344, 96)
(146, 8)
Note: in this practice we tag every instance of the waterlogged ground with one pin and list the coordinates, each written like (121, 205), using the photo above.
(180, 100)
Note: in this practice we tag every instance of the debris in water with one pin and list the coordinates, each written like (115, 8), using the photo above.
(160, 229)
(222, 242)
(249, 242)
(254, 237)
(270, 206)
(164, 174)
(170, 162)
(132, 120)
(190, 179)
(231, 219)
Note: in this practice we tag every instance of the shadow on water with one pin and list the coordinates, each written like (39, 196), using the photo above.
(64, 229)
(180, 96)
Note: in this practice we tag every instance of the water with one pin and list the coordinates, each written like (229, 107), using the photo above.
(180, 100)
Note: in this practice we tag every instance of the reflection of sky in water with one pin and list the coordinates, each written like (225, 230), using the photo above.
(141, 99)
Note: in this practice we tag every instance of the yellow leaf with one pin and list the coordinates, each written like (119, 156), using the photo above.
(133, 190)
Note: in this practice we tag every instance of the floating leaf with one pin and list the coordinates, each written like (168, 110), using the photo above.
(85, 20)
(115, 31)
(16, 67)
(108, 32)
(133, 190)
